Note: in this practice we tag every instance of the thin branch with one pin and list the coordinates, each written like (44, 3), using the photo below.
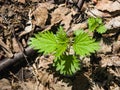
(17, 58)
(80, 4)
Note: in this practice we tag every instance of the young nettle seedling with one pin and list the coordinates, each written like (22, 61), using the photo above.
(59, 45)
(96, 25)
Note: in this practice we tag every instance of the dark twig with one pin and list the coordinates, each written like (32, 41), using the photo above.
(80, 4)
(19, 57)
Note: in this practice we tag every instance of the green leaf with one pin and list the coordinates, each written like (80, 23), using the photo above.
(84, 44)
(47, 42)
(101, 29)
(98, 20)
(77, 32)
(91, 21)
(92, 24)
(62, 42)
(96, 24)
(67, 64)
(44, 42)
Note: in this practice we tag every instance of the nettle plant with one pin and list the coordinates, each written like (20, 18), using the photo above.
(60, 45)
(96, 25)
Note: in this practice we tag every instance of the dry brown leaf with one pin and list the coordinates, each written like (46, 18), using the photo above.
(59, 14)
(115, 72)
(64, 15)
(95, 12)
(66, 21)
(40, 15)
(21, 1)
(6, 49)
(34, 0)
(114, 87)
(42, 62)
(29, 86)
(113, 23)
(110, 61)
(61, 86)
(118, 38)
(53, 24)
(105, 48)
(1, 20)
(16, 47)
(47, 5)
(56, 17)
(116, 47)
(97, 87)
(5, 84)
(45, 77)
(107, 5)
(79, 26)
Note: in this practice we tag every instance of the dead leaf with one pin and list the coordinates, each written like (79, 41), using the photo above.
(114, 87)
(30, 85)
(96, 87)
(41, 13)
(47, 5)
(44, 77)
(53, 24)
(62, 14)
(59, 13)
(110, 61)
(21, 1)
(116, 47)
(105, 48)
(1, 19)
(56, 17)
(5, 84)
(40, 16)
(6, 49)
(62, 86)
(66, 21)
(42, 62)
(115, 72)
(113, 23)
(34, 0)
(95, 12)
(79, 26)
(16, 47)
(108, 5)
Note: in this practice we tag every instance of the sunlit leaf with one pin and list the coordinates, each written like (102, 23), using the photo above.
(44, 42)
(101, 29)
(84, 44)
(96, 24)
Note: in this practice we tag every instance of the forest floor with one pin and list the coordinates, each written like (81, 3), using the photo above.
(20, 19)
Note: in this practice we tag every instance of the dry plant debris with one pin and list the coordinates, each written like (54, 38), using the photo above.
(19, 19)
